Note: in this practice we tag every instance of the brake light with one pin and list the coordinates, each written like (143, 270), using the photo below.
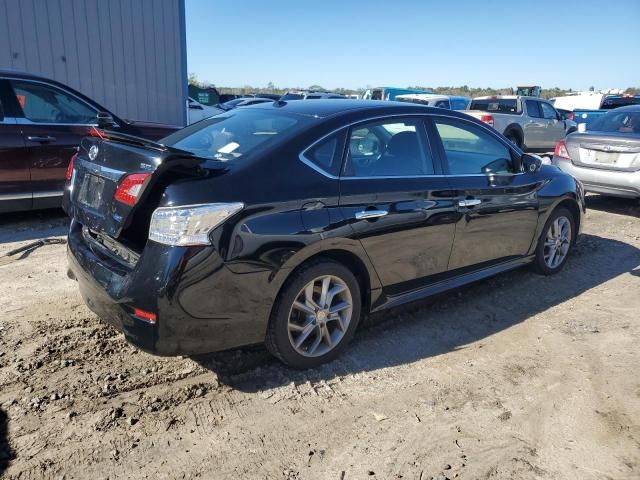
(148, 317)
(130, 187)
(561, 151)
(571, 116)
(488, 119)
(69, 173)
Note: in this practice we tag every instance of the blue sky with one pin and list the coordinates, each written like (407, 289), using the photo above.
(351, 44)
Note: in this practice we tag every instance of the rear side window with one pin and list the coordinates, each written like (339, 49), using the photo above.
(327, 154)
(470, 150)
(393, 148)
(43, 103)
(533, 109)
(442, 104)
(499, 105)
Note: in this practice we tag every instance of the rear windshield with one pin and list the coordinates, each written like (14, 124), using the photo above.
(610, 103)
(292, 96)
(233, 135)
(499, 105)
(620, 122)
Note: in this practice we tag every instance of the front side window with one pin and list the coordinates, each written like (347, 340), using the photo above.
(234, 134)
(533, 109)
(392, 148)
(469, 150)
(548, 111)
(43, 103)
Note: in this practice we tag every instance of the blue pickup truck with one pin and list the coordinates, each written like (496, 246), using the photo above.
(582, 108)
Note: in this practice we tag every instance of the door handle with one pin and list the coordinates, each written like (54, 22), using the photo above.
(45, 139)
(369, 214)
(469, 203)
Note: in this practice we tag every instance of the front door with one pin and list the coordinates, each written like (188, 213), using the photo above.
(497, 204)
(397, 204)
(52, 122)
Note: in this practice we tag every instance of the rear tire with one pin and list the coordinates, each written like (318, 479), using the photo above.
(315, 315)
(555, 242)
(514, 138)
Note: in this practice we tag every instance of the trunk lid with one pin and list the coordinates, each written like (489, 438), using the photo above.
(104, 160)
(607, 151)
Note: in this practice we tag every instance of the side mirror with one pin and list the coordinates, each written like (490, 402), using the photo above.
(105, 120)
(530, 163)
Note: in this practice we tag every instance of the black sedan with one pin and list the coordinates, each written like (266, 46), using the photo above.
(287, 222)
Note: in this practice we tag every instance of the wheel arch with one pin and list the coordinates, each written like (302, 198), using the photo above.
(356, 261)
(517, 129)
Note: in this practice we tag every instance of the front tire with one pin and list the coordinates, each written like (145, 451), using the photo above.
(555, 242)
(315, 315)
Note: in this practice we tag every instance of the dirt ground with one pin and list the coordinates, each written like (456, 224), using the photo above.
(517, 377)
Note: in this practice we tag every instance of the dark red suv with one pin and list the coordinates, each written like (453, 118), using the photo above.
(41, 124)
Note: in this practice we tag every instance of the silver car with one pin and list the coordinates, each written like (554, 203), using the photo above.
(605, 158)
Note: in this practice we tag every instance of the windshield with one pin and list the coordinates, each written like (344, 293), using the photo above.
(620, 122)
(499, 105)
(235, 134)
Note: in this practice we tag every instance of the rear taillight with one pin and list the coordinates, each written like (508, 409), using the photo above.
(130, 187)
(69, 173)
(571, 116)
(190, 225)
(561, 151)
(488, 119)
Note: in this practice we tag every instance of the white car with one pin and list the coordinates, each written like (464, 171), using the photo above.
(198, 111)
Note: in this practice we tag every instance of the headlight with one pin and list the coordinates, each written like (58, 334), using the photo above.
(189, 225)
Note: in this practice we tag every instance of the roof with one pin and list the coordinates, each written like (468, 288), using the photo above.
(329, 107)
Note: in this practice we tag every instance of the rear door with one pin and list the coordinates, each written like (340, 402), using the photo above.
(535, 126)
(497, 205)
(397, 202)
(15, 186)
(52, 122)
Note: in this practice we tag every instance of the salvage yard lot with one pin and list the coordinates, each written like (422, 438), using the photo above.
(520, 376)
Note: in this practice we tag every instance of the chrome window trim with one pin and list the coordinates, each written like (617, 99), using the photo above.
(16, 196)
(26, 121)
(48, 194)
(55, 87)
(491, 131)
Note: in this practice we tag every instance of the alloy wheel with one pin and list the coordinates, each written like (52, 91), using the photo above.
(557, 243)
(320, 316)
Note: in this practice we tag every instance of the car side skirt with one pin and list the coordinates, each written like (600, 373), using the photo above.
(451, 283)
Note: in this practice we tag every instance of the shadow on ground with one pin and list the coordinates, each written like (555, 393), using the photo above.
(441, 324)
(621, 206)
(6, 454)
(35, 225)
